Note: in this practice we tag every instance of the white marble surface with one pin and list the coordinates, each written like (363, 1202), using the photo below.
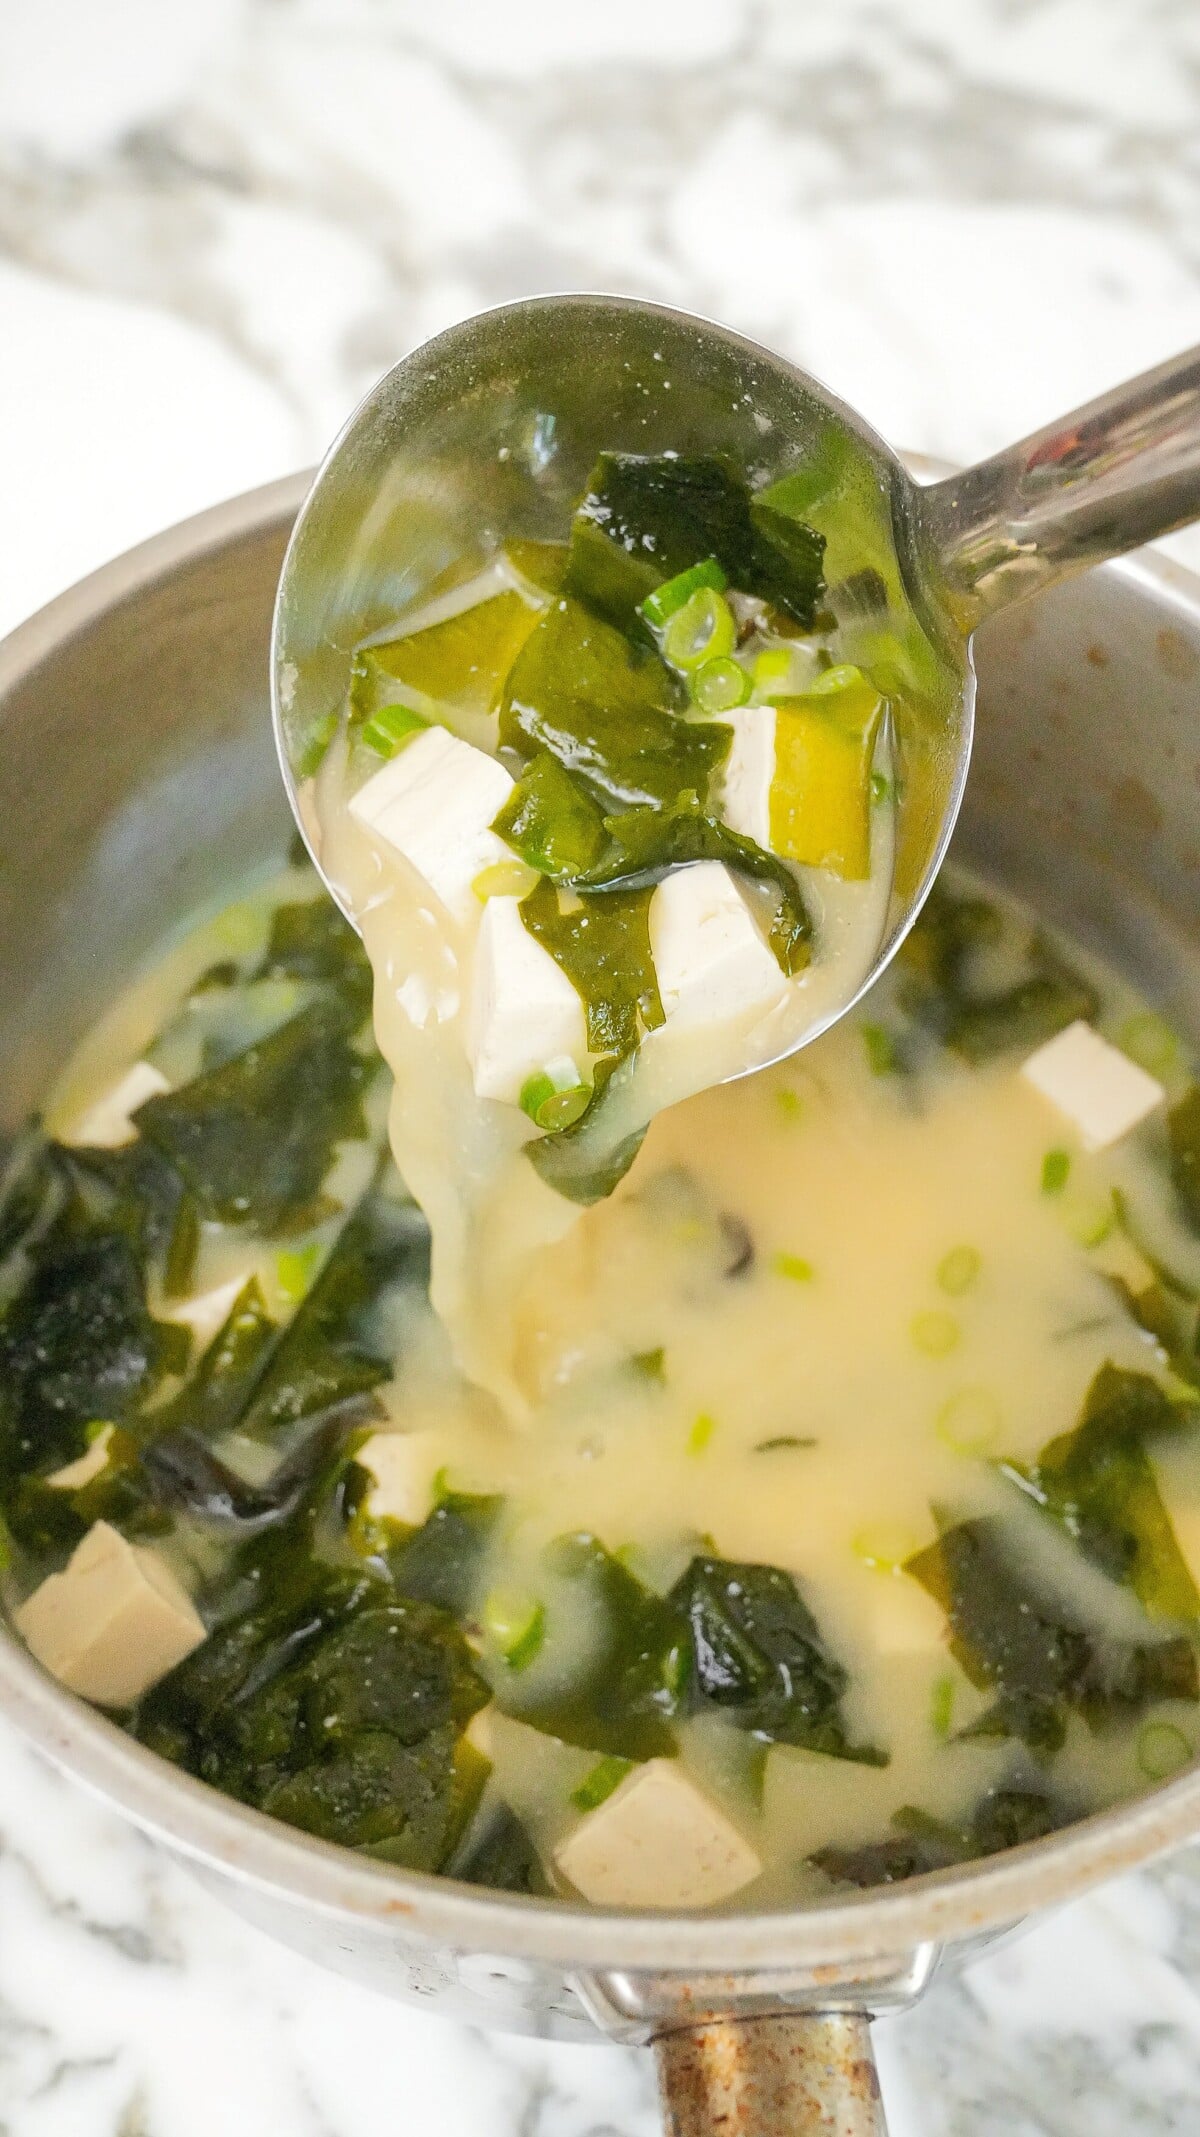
(217, 223)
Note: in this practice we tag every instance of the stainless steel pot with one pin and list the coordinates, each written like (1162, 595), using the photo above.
(137, 778)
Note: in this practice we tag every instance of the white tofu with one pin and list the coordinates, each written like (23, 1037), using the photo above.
(1092, 1084)
(434, 804)
(657, 1842)
(524, 1012)
(404, 1465)
(749, 771)
(108, 1123)
(113, 1622)
(208, 1310)
(87, 1466)
(713, 965)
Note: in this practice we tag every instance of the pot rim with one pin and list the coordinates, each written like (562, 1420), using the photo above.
(218, 1834)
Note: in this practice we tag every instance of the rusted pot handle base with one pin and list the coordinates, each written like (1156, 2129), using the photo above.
(806, 2074)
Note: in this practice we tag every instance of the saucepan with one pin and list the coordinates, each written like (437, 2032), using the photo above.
(138, 779)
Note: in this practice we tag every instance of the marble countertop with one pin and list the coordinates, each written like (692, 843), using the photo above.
(217, 225)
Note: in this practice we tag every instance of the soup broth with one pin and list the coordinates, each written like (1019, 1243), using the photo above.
(850, 1524)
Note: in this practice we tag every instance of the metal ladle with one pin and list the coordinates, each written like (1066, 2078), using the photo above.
(490, 429)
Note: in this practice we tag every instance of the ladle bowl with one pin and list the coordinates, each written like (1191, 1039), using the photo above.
(490, 429)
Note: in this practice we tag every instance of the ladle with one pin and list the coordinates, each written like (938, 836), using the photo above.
(493, 425)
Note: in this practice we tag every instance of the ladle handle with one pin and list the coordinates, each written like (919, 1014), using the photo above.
(807, 2074)
(1114, 474)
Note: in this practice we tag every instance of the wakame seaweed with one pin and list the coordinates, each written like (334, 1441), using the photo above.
(758, 1658)
(626, 1691)
(324, 1696)
(254, 1138)
(1098, 1482)
(1003, 1818)
(644, 518)
(941, 989)
(1028, 1648)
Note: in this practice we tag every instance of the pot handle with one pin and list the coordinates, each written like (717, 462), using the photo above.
(1120, 471)
(803, 2074)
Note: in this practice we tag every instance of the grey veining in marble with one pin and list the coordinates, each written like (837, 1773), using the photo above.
(217, 223)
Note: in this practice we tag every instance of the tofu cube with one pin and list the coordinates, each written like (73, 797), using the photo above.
(713, 965)
(86, 1467)
(404, 1465)
(113, 1622)
(109, 1123)
(524, 1012)
(433, 805)
(657, 1842)
(1092, 1084)
(749, 770)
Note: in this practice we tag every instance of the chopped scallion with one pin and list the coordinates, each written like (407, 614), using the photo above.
(701, 1433)
(387, 730)
(312, 756)
(957, 1270)
(667, 599)
(774, 673)
(970, 1421)
(789, 1103)
(1056, 1168)
(719, 685)
(1089, 1218)
(884, 1548)
(516, 1626)
(935, 1333)
(794, 1267)
(598, 1785)
(505, 879)
(295, 1268)
(556, 1097)
(703, 629)
(882, 1057)
(1162, 1750)
(941, 1707)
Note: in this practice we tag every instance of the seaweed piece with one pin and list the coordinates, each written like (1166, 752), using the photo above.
(327, 1353)
(1027, 1648)
(643, 518)
(937, 960)
(580, 1166)
(311, 940)
(626, 1691)
(217, 1392)
(1183, 1134)
(1003, 1818)
(322, 1696)
(254, 1138)
(758, 1657)
(551, 821)
(603, 946)
(609, 714)
(184, 1476)
(135, 1190)
(644, 844)
(77, 1343)
(1098, 1482)
(440, 1562)
(502, 1857)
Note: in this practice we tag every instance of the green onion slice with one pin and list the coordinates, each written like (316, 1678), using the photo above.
(703, 629)
(387, 730)
(718, 685)
(598, 1785)
(556, 1097)
(516, 1625)
(667, 599)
